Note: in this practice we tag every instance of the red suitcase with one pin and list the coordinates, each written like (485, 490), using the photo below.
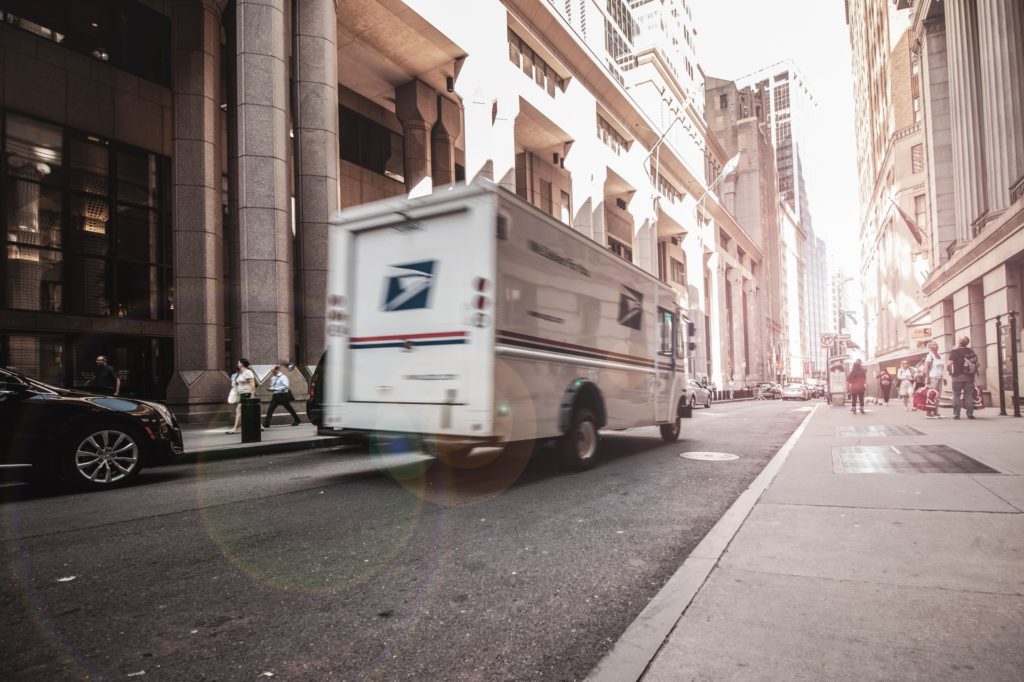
(926, 398)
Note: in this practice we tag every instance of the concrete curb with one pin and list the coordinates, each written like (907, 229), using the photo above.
(258, 449)
(640, 643)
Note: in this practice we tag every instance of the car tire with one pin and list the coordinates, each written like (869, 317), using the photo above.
(578, 446)
(103, 456)
(707, 403)
(693, 402)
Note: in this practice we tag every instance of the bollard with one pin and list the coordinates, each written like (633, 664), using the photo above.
(251, 420)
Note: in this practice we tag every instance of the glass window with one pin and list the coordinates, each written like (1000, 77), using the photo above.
(91, 293)
(664, 331)
(40, 357)
(33, 214)
(917, 158)
(137, 234)
(33, 150)
(33, 279)
(87, 169)
(371, 145)
(90, 223)
(137, 178)
(118, 265)
(137, 291)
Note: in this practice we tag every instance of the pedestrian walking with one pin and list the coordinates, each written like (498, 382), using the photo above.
(280, 395)
(885, 383)
(905, 381)
(856, 384)
(244, 385)
(963, 366)
(936, 372)
(106, 381)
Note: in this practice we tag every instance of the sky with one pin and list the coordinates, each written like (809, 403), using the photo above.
(737, 37)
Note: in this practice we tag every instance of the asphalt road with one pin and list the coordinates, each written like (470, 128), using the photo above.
(318, 565)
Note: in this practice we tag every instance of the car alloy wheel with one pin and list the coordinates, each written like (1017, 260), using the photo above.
(106, 457)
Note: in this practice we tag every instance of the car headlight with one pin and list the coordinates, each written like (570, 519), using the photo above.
(162, 410)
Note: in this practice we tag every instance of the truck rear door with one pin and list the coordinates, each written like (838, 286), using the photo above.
(421, 316)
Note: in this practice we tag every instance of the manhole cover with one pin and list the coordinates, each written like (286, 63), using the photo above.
(905, 459)
(887, 430)
(709, 456)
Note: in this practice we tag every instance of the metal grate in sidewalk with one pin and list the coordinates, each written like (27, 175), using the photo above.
(904, 459)
(887, 430)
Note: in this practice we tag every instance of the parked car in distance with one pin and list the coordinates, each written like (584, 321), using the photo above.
(795, 392)
(697, 394)
(90, 441)
(770, 390)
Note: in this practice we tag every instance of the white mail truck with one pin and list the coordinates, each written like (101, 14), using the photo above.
(470, 317)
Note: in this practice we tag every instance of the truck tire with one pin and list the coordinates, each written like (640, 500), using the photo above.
(670, 431)
(578, 447)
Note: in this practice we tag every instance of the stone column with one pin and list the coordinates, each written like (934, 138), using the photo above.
(1001, 289)
(316, 161)
(265, 235)
(416, 107)
(939, 142)
(442, 140)
(198, 387)
(1001, 45)
(965, 115)
(645, 238)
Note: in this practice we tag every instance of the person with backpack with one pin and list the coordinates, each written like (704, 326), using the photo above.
(963, 367)
(885, 384)
(856, 383)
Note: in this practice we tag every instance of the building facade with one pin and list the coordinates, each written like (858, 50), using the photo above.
(167, 199)
(790, 115)
(738, 119)
(972, 66)
(892, 172)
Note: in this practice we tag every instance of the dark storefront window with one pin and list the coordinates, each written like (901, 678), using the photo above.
(144, 365)
(125, 34)
(87, 224)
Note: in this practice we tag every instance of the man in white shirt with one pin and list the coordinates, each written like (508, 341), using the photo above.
(280, 394)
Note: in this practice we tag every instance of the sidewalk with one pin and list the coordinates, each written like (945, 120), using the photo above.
(212, 443)
(817, 574)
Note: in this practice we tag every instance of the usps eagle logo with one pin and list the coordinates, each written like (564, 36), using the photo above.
(408, 286)
(631, 304)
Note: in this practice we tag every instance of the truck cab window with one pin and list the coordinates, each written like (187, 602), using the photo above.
(665, 324)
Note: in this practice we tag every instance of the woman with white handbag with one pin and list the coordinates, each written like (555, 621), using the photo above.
(243, 386)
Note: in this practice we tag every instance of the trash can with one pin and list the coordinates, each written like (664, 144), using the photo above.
(251, 420)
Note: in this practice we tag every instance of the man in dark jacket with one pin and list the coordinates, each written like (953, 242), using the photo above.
(856, 383)
(106, 381)
(963, 367)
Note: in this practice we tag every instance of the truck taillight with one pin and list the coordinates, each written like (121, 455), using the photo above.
(337, 314)
(482, 301)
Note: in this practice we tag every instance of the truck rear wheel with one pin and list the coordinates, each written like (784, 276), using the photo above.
(670, 431)
(579, 444)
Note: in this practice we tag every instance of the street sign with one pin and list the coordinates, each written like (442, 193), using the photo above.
(843, 337)
(827, 340)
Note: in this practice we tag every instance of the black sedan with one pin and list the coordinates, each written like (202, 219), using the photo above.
(90, 441)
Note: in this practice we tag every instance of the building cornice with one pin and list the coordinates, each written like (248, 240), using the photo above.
(980, 255)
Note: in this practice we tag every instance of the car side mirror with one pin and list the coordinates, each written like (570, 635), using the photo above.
(692, 345)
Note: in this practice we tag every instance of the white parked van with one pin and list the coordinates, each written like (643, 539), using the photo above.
(473, 318)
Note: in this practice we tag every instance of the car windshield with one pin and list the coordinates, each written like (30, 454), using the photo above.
(14, 378)
(797, 387)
